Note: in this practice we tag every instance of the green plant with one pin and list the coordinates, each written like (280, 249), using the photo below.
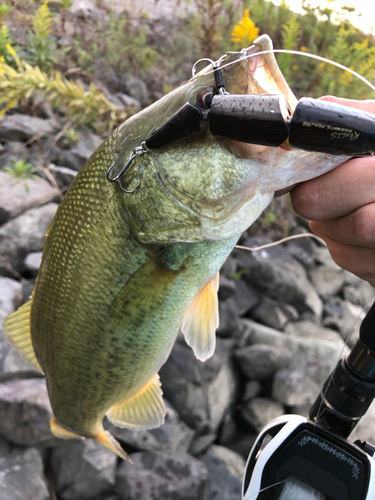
(5, 10)
(290, 34)
(20, 169)
(208, 33)
(41, 46)
(83, 106)
(5, 39)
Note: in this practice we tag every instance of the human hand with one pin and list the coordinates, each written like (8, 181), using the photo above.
(341, 208)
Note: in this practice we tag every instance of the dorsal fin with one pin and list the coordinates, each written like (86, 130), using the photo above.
(17, 331)
(202, 319)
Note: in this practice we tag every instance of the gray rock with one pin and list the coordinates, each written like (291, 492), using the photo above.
(32, 261)
(243, 299)
(327, 279)
(23, 127)
(202, 441)
(75, 157)
(227, 287)
(228, 320)
(260, 411)
(301, 382)
(135, 87)
(128, 101)
(225, 473)
(261, 361)
(269, 314)
(63, 175)
(87, 9)
(314, 348)
(17, 195)
(83, 469)
(25, 411)
(351, 319)
(273, 271)
(310, 330)
(13, 151)
(21, 475)
(333, 307)
(162, 475)
(11, 363)
(24, 234)
(174, 434)
(252, 389)
(365, 430)
(200, 392)
(352, 294)
(366, 291)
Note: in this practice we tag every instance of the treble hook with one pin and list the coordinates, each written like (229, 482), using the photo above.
(217, 73)
(139, 150)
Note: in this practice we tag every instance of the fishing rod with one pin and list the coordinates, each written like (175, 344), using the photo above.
(298, 458)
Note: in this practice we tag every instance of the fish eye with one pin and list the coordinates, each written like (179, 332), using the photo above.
(205, 97)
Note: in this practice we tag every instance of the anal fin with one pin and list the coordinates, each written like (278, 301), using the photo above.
(144, 410)
(201, 320)
(102, 436)
(17, 331)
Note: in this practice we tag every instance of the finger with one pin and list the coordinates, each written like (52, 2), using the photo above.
(357, 260)
(356, 228)
(368, 105)
(338, 192)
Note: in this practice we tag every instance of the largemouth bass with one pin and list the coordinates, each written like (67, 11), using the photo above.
(121, 273)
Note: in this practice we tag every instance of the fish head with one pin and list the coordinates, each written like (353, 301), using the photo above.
(205, 187)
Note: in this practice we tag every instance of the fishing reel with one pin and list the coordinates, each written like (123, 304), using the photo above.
(295, 458)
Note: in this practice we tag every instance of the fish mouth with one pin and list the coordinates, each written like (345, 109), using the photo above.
(263, 75)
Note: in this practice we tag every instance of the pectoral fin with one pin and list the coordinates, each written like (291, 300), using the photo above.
(17, 331)
(201, 320)
(145, 409)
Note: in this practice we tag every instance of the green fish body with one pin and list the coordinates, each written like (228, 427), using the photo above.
(122, 272)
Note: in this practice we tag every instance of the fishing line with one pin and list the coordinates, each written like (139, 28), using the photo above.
(283, 240)
(295, 52)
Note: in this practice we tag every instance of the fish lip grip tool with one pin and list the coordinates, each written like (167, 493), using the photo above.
(313, 456)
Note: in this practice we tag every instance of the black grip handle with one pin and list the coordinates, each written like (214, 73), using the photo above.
(328, 127)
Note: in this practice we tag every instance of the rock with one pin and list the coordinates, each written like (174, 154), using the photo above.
(22, 127)
(274, 272)
(162, 475)
(365, 429)
(243, 299)
(174, 434)
(24, 234)
(32, 261)
(325, 350)
(302, 249)
(269, 314)
(18, 195)
(76, 156)
(25, 411)
(365, 289)
(63, 175)
(83, 469)
(135, 87)
(327, 279)
(202, 441)
(227, 288)
(11, 363)
(261, 361)
(351, 319)
(333, 307)
(86, 9)
(225, 473)
(236, 436)
(309, 329)
(200, 392)
(252, 390)
(13, 150)
(260, 411)
(127, 101)
(228, 320)
(21, 473)
(300, 382)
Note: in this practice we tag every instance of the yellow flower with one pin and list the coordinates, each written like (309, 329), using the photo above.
(245, 31)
